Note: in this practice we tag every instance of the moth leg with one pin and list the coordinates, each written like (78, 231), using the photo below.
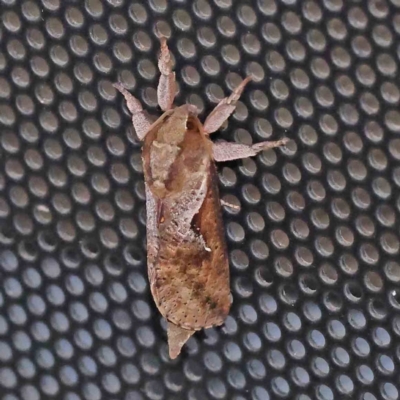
(166, 85)
(227, 151)
(177, 337)
(140, 121)
(224, 109)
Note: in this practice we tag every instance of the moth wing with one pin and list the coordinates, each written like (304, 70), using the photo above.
(191, 281)
(210, 224)
(177, 337)
(152, 207)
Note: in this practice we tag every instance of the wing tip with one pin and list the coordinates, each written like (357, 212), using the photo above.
(177, 337)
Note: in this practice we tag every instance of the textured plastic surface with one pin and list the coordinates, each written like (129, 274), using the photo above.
(314, 250)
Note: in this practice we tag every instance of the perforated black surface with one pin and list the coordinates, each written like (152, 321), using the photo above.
(313, 252)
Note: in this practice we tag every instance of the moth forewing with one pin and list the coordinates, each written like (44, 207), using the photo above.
(189, 275)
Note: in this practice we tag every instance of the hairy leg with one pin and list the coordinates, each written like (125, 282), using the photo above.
(166, 85)
(224, 109)
(140, 121)
(227, 151)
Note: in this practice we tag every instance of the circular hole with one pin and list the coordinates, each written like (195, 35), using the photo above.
(381, 337)
(345, 384)
(47, 241)
(264, 276)
(356, 319)
(377, 309)
(283, 267)
(312, 311)
(394, 298)
(114, 264)
(272, 332)
(385, 364)
(328, 274)
(320, 367)
(296, 349)
(90, 248)
(333, 301)
(361, 347)
(276, 359)
(365, 374)
(280, 386)
(340, 357)
(389, 391)
(71, 257)
(28, 250)
(336, 329)
(392, 271)
(316, 339)
(300, 377)
(308, 284)
(288, 294)
(292, 322)
(373, 281)
(353, 292)
(324, 393)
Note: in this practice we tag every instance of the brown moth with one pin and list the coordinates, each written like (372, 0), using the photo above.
(186, 253)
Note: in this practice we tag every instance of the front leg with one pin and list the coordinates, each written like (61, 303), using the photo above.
(227, 151)
(224, 109)
(140, 121)
(166, 85)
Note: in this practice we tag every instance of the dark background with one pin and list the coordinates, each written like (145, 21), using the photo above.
(313, 251)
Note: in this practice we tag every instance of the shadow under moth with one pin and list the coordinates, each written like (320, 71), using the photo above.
(187, 258)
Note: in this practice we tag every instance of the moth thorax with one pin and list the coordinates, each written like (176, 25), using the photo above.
(162, 156)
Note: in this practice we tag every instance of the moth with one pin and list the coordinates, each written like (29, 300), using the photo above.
(187, 257)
